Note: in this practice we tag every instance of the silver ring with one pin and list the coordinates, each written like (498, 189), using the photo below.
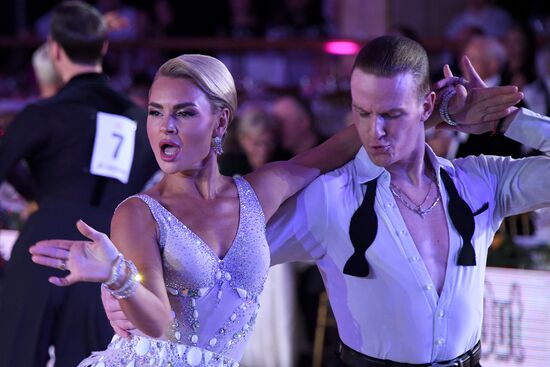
(63, 265)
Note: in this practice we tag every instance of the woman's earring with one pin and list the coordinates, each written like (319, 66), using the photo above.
(217, 145)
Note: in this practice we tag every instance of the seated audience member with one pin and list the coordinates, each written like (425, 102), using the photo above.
(256, 135)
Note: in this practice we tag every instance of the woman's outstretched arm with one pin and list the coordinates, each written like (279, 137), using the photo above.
(147, 307)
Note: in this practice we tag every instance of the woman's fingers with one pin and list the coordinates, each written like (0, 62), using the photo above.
(62, 244)
(62, 281)
(497, 115)
(458, 101)
(496, 108)
(443, 83)
(51, 262)
(447, 71)
(505, 92)
(50, 250)
(89, 232)
(469, 72)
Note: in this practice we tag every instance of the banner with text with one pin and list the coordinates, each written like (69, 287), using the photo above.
(516, 320)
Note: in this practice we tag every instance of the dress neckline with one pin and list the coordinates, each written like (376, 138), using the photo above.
(202, 242)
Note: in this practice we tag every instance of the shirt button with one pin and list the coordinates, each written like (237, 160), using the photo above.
(440, 341)
(413, 259)
(441, 313)
(427, 287)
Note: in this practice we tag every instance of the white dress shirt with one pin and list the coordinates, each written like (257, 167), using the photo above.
(535, 96)
(396, 313)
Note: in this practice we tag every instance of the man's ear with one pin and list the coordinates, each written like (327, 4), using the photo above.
(54, 49)
(428, 106)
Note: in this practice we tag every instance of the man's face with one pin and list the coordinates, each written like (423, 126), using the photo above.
(389, 116)
(482, 58)
(293, 122)
(258, 145)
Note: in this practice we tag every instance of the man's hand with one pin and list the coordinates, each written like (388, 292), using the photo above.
(476, 108)
(117, 318)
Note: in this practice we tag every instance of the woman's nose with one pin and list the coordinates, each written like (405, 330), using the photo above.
(169, 127)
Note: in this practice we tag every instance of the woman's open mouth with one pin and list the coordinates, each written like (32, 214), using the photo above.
(169, 150)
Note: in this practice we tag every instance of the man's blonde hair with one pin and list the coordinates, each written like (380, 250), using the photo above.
(43, 67)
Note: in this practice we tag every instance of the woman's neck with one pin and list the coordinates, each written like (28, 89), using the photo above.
(205, 182)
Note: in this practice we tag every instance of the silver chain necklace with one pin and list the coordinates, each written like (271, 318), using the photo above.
(397, 192)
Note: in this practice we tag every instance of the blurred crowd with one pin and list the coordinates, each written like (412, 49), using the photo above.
(289, 101)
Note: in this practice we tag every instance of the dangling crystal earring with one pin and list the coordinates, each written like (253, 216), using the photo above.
(217, 145)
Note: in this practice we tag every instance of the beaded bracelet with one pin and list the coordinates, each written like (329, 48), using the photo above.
(444, 106)
(128, 288)
(116, 271)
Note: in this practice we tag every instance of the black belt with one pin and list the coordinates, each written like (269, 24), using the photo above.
(353, 358)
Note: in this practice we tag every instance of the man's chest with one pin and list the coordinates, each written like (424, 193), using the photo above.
(429, 234)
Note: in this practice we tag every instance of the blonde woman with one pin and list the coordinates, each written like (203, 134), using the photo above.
(197, 237)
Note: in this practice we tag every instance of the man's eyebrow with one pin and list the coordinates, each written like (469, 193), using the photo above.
(357, 107)
(391, 110)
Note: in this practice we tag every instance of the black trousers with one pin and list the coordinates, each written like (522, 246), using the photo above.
(35, 314)
(337, 362)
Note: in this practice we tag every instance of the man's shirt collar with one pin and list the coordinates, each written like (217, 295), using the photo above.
(367, 170)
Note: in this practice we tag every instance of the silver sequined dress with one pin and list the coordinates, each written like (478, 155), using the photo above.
(214, 301)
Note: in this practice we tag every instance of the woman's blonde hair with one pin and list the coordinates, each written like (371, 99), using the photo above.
(209, 74)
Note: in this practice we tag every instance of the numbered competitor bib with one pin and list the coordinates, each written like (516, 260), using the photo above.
(114, 143)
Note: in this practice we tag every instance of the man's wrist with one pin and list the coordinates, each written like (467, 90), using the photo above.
(504, 123)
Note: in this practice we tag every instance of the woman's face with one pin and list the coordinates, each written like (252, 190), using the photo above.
(258, 146)
(180, 124)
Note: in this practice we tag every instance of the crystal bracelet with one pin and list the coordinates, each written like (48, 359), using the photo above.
(116, 271)
(444, 106)
(128, 288)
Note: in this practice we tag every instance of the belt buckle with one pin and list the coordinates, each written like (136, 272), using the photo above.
(448, 364)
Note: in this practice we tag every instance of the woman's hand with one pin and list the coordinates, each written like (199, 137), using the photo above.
(86, 261)
(475, 107)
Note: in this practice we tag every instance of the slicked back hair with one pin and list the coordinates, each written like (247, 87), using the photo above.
(389, 56)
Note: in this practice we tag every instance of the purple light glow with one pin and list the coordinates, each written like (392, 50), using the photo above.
(341, 47)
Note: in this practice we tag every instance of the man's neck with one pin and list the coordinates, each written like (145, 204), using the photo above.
(69, 71)
(415, 171)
